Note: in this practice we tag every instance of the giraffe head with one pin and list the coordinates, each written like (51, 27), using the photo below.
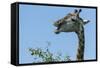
(70, 23)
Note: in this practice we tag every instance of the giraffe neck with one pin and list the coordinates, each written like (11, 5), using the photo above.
(80, 50)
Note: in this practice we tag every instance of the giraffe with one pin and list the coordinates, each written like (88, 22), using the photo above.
(72, 22)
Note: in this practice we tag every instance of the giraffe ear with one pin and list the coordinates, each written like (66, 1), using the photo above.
(73, 20)
(86, 21)
(80, 10)
(75, 11)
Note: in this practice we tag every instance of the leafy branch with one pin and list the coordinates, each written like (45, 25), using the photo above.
(47, 56)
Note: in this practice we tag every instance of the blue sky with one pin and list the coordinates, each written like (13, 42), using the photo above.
(36, 28)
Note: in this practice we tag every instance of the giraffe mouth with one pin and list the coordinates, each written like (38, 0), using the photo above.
(57, 30)
(58, 26)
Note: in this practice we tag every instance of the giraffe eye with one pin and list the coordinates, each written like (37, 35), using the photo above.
(73, 20)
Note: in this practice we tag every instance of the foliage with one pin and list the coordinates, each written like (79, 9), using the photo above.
(47, 56)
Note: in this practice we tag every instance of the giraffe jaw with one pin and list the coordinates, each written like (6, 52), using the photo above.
(56, 31)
